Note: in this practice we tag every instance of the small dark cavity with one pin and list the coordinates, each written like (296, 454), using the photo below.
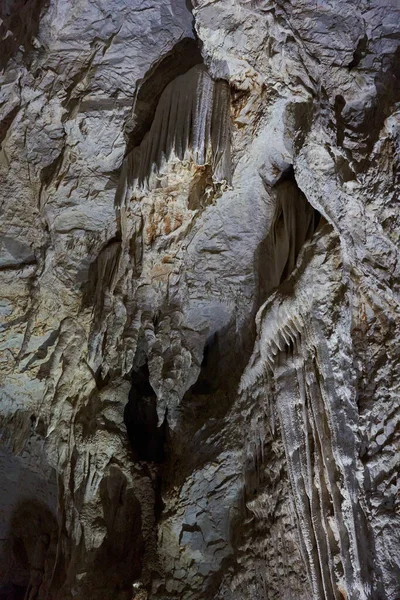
(146, 438)
(359, 53)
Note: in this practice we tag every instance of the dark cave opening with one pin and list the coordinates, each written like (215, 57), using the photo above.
(31, 557)
(146, 438)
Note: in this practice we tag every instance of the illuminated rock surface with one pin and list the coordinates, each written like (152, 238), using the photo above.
(199, 300)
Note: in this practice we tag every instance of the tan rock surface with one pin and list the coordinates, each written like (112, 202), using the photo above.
(199, 281)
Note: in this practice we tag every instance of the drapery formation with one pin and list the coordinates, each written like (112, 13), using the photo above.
(191, 122)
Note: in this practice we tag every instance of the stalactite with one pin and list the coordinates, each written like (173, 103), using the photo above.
(191, 122)
(292, 348)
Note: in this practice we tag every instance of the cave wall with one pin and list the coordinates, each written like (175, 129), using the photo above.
(199, 284)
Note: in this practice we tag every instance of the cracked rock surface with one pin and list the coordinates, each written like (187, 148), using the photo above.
(199, 300)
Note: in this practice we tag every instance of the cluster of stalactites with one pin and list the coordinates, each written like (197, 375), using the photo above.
(191, 123)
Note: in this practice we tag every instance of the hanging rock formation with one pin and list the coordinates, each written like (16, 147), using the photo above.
(191, 120)
(199, 300)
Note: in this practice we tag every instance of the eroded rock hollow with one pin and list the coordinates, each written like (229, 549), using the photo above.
(199, 281)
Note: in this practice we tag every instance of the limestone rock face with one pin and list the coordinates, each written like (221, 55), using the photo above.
(199, 300)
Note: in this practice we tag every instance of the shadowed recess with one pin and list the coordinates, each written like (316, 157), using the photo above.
(141, 421)
(36, 566)
(295, 222)
(19, 24)
(184, 55)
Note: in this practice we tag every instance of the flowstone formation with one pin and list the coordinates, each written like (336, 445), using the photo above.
(199, 280)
